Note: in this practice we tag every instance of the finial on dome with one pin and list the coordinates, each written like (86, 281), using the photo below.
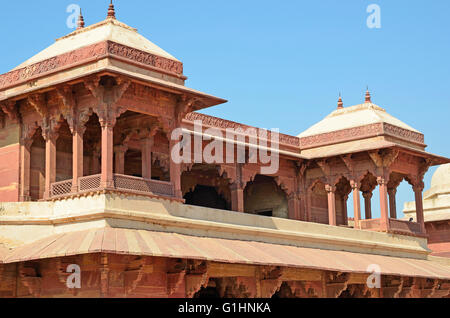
(111, 11)
(368, 97)
(80, 23)
(340, 102)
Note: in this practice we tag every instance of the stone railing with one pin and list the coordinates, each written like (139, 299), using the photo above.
(61, 188)
(395, 226)
(135, 184)
(89, 183)
(121, 182)
(403, 226)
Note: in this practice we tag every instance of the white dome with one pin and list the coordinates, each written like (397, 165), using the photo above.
(441, 177)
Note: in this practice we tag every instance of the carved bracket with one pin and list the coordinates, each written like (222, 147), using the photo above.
(9, 108)
(67, 105)
(134, 273)
(30, 279)
(176, 271)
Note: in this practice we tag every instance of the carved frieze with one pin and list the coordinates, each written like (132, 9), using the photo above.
(90, 53)
(211, 121)
(361, 132)
(145, 58)
(53, 64)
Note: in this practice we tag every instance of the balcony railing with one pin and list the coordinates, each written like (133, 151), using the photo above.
(61, 188)
(395, 226)
(89, 183)
(121, 182)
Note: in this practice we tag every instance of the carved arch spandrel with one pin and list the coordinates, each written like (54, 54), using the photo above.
(107, 97)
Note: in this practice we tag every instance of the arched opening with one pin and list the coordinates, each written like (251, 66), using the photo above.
(37, 166)
(368, 184)
(343, 189)
(399, 186)
(284, 292)
(92, 141)
(64, 153)
(133, 163)
(161, 158)
(207, 197)
(263, 196)
(204, 186)
(209, 291)
(139, 146)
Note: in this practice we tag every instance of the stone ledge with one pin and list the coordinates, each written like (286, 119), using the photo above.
(159, 215)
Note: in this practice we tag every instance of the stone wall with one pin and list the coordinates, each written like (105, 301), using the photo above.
(9, 162)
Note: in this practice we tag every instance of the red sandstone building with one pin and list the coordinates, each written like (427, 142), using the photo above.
(87, 178)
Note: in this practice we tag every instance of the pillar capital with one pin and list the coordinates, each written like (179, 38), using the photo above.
(382, 180)
(120, 149)
(418, 186)
(78, 130)
(354, 184)
(392, 191)
(50, 135)
(367, 195)
(237, 185)
(149, 140)
(330, 188)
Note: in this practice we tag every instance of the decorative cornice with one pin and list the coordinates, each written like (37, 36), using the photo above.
(87, 54)
(148, 59)
(216, 122)
(361, 132)
(52, 64)
(402, 133)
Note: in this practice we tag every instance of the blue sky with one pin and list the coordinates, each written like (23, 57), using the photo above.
(281, 64)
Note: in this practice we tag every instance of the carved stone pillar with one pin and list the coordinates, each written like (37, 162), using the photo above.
(344, 209)
(331, 191)
(392, 202)
(147, 144)
(50, 162)
(175, 171)
(25, 160)
(356, 203)
(382, 182)
(77, 157)
(418, 188)
(294, 206)
(303, 206)
(308, 206)
(119, 152)
(237, 197)
(367, 195)
(107, 176)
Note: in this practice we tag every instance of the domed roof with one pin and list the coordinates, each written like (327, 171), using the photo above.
(354, 116)
(107, 30)
(441, 176)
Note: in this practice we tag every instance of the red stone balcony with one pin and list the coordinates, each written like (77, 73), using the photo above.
(122, 183)
(395, 226)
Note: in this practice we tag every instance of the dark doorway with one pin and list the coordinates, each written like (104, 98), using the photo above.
(208, 292)
(206, 197)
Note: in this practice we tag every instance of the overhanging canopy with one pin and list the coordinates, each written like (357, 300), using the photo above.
(173, 245)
